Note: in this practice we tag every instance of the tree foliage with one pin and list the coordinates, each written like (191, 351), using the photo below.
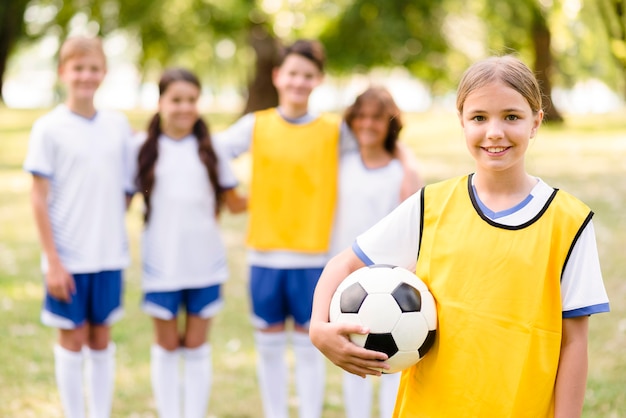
(387, 33)
(613, 14)
(523, 27)
(235, 41)
(11, 29)
(206, 36)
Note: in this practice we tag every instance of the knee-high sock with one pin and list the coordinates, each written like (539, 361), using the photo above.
(68, 367)
(388, 390)
(357, 396)
(310, 376)
(272, 373)
(197, 374)
(100, 373)
(165, 371)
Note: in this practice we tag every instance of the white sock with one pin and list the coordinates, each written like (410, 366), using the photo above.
(197, 374)
(164, 367)
(357, 396)
(389, 384)
(100, 375)
(310, 376)
(68, 367)
(272, 373)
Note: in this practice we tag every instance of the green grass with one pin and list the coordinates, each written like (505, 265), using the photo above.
(586, 156)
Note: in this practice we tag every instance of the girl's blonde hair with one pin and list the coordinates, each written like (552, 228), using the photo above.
(507, 69)
(78, 46)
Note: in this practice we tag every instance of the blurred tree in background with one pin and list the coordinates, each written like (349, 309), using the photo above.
(235, 42)
(613, 14)
(390, 33)
(524, 26)
(11, 30)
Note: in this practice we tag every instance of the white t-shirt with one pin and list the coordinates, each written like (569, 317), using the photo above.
(235, 141)
(395, 239)
(182, 247)
(365, 196)
(84, 160)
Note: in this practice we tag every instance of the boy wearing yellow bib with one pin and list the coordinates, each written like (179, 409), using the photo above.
(295, 157)
(511, 262)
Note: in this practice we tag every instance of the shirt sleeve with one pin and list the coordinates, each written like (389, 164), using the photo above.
(235, 140)
(394, 239)
(40, 155)
(131, 149)
(582, 288)
(347, 140)
(134, 144)
(227, 177)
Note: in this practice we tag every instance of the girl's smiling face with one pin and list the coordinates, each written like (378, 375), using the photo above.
(178, 107)
(498, 123)
(371, 125)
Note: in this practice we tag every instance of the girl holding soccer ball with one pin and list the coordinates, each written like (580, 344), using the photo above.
(511, 262)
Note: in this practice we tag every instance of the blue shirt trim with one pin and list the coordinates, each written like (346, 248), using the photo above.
(587, 310)
(229, 187)
(39, 174)
(359, 253)
(495, 215)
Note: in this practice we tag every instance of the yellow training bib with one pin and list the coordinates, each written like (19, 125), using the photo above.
(499, 308)
(294, 183)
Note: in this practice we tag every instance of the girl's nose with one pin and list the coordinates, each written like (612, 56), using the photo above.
(494, 130)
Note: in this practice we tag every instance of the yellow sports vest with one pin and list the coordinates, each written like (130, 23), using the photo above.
(499, 308)
(294, 183)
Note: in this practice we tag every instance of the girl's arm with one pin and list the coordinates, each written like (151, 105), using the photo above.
(571, 377)
(333, 339)
(59, 282)
(235, 202)
(412, 181)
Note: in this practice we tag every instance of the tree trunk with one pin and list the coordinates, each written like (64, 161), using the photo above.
(261, 91)
(11, 28)
(543, 66)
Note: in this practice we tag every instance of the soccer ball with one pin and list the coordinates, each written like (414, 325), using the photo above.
(395, 305)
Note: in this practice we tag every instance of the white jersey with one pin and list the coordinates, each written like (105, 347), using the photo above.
(365, 196)
(84, 161)
(182, 247)
(395, 240)
(235, 141)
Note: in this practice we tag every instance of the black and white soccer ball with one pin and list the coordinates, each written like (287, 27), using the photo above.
(395, 305)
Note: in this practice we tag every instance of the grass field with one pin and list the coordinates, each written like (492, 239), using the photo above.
(586, 156)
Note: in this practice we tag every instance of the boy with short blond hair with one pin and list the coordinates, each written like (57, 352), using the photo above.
(77, 158)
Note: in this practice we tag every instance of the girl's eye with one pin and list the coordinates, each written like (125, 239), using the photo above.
(478, 118)
(511, 117)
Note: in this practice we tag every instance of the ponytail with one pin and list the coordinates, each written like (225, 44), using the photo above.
(209, 159)
(146, 162)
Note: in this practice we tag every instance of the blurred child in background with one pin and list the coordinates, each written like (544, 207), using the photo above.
(295, 155)
(184, 183)
(370, 186)
(77, 158)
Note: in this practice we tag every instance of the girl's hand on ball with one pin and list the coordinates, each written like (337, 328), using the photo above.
(333, 340)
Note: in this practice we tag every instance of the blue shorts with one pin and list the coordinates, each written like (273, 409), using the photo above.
(278, 294)
(97, 301)
(204, 302)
